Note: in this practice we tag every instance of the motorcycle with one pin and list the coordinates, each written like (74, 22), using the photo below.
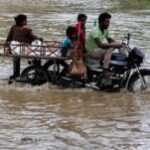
(126, 68)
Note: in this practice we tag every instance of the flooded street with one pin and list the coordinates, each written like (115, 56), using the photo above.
(72, 119)
(50, 118)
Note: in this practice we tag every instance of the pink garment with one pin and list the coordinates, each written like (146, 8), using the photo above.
(81, 32)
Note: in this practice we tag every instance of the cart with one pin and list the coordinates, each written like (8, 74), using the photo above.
(38, 56)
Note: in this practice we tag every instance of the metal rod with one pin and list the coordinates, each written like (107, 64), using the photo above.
(141, 78)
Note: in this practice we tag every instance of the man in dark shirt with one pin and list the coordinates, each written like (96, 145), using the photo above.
(22, 33)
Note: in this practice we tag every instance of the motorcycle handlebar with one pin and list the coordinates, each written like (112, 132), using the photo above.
(128, 36)
(126, 39)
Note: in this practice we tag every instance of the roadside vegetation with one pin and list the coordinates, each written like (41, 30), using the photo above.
(135, 4)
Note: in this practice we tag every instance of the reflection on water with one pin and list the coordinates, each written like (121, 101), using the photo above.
(51, 118)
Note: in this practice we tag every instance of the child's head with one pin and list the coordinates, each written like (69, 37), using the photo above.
(21, 20)
(82, 18)
(71, 32)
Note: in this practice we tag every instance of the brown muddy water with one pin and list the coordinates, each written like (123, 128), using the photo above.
(48, 118)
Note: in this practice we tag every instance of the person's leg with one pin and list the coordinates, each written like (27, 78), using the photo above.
(65, 67)
(102, 54)
(107, 58)
(16, 69)
(106, 62)
(97, 54)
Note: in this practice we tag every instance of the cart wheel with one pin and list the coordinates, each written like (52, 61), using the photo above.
(54, 69)
(34, 75)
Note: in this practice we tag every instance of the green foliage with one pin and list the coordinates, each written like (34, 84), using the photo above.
(135, 4)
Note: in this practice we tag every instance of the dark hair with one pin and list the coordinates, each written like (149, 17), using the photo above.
(104, 16)
(70, 30)
(20, 18)
(80, 16)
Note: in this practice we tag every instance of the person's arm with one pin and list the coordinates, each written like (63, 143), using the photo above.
(110, 40)
(32, 36)
(35, 37)
(114, 43)
(9, 37)
(106, 45)
(7, 49)
(96, 36)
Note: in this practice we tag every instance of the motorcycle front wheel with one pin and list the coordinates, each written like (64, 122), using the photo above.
(140, 83)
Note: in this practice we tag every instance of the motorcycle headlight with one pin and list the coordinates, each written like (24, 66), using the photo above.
(136, 55)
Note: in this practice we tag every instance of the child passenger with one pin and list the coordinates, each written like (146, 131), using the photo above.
(68, 45)
(70, 41)
(81, 29)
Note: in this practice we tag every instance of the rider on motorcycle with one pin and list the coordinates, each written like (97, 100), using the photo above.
(100, 45)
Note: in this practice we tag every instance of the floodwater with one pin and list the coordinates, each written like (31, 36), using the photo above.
(49, 118)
